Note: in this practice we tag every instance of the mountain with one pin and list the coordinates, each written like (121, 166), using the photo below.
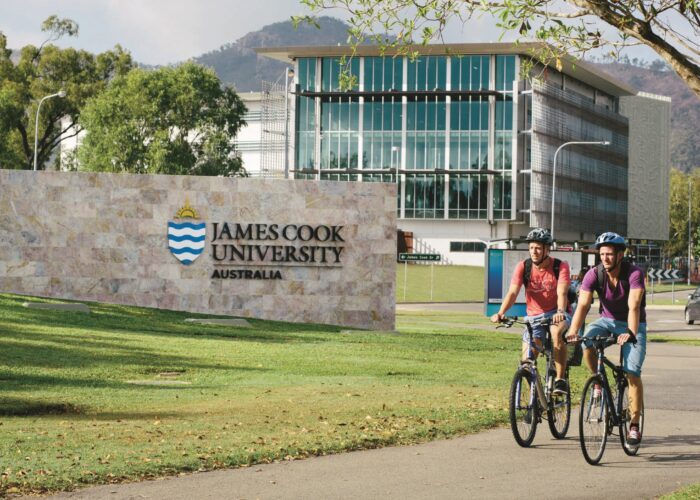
(685, 108)
(238, 64)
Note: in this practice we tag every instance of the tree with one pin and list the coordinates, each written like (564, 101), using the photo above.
(677, 243)
(41, 71)
(669, 27)
(177, 120)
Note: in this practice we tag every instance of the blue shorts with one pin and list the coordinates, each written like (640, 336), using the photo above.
(632, 354)
(539, 331)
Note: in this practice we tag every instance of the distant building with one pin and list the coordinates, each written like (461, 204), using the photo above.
(470, 144)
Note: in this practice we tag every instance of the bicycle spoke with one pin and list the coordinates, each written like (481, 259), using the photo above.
(593, 422)
(523, 408)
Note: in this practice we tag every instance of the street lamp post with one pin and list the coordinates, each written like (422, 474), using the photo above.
(61, 93)
(289, 74)
(690, 197)
(554, 171)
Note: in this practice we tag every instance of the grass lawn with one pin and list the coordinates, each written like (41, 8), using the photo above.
(449, 283)
(689, 493)
(125, 393)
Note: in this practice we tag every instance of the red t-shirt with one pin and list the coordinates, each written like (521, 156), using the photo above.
(541, 291)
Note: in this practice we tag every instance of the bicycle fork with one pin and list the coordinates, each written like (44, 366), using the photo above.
(539, 394)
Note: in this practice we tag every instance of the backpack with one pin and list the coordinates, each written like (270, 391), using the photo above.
(571, 293)
(601, 279)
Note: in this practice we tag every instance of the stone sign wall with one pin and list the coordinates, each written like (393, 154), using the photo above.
(301, 251)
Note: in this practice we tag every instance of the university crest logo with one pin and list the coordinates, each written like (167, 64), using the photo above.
(186, 238)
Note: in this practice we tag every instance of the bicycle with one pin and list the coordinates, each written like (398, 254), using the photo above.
(597, 421)
(530, 400)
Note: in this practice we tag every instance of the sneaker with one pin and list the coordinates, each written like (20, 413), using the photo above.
(634, 437)
(560, 386)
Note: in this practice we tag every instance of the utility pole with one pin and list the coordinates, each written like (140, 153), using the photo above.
(690, 197)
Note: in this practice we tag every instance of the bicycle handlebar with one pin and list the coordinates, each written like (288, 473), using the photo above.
(509, 321)
(603, 341)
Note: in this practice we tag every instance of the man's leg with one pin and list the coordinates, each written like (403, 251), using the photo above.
(560, 351)
(526, 350)
(633, 359)
(601, 326)
(636, 396)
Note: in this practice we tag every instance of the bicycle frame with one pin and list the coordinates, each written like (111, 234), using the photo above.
(531, 364)
(620, 384)
(531, 401)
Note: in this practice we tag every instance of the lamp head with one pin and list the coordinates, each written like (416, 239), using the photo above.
(61, 93)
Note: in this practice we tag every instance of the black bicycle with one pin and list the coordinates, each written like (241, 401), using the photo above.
(604, 408)
(531, 400)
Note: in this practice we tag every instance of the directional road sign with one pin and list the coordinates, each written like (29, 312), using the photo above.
(418, 257)
(664, 274)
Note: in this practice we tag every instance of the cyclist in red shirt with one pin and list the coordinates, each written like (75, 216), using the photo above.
(545, 297)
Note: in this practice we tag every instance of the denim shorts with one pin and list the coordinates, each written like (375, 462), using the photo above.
(632, 354)
(539, 331)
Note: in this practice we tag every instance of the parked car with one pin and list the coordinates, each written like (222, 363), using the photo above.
(692, 308)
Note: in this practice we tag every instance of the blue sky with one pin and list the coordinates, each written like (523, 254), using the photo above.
(168, 31)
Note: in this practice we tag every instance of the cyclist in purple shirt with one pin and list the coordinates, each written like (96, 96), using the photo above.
(621, 295)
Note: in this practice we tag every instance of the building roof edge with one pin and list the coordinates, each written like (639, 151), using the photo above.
(571, 66)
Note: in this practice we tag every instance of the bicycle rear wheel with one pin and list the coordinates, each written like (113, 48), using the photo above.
(523, 407)
(626, 414)
(593, 421)
(559, 413)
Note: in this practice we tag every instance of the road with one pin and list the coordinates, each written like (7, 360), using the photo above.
(488, 464)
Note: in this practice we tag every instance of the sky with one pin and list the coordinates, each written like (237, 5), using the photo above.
(169, 31)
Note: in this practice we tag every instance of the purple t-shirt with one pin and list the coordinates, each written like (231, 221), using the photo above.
(614, 302)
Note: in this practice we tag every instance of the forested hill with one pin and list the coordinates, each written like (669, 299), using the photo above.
(237, 63)
(685, 108)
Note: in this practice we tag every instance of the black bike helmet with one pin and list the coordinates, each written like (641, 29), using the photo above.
(539, 235)
(612, 239)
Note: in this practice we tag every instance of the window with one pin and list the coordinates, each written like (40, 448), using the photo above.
(467, 246)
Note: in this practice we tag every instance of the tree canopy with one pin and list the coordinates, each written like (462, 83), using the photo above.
(41, 71)
(174, 120)
(669, 27)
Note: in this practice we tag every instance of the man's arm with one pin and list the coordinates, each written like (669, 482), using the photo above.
(585, 299)
(508, 301)
(562, 301)
(634, 303)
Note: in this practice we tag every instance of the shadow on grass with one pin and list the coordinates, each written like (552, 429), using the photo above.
(15, 407)
(144, 321)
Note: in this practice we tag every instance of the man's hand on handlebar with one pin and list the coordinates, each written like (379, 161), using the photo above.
(558, 317)
(572, 336)
(497, 318)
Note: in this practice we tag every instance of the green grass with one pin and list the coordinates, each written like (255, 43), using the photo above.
(450, 283)
(80, 405)
(674, 340)
(688, 493)
(667, 287)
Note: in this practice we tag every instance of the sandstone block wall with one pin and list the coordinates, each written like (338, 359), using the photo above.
(104, 237)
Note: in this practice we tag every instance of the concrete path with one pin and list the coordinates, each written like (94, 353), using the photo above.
(485, 465)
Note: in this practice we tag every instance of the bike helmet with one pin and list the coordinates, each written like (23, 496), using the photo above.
(539, 235)
(612, 239)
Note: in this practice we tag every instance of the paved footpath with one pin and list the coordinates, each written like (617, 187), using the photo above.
(484, 465)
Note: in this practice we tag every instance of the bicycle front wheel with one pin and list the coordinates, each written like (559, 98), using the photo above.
(559, 410)
(626, 414)
(523, 407)
(593, 421)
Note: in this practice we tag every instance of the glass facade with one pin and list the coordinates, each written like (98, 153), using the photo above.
(441, 127)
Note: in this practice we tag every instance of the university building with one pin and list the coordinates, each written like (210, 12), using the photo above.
(470, 143)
